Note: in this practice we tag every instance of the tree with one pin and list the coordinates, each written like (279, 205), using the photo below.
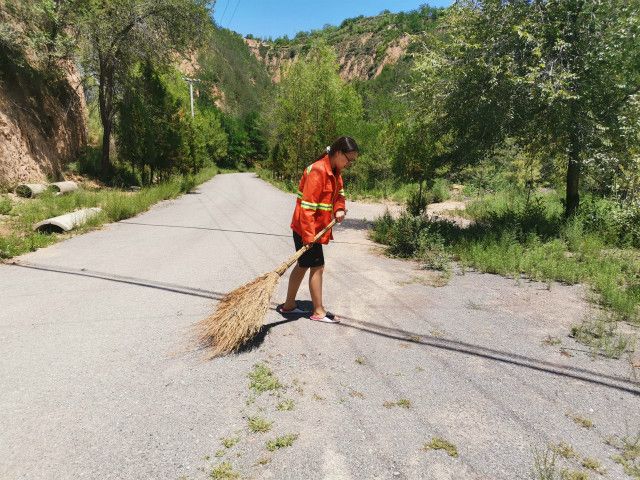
(148, 128)
(312, 107)
(553, 74)
(119, 33)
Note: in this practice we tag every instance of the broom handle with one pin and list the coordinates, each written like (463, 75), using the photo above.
(294, 258)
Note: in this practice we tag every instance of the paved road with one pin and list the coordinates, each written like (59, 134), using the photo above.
(98, 378)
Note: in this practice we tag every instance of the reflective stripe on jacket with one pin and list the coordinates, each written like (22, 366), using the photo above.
(320, 195)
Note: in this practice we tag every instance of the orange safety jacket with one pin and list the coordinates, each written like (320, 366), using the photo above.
(320, 196)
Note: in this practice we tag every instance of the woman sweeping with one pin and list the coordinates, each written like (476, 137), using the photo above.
(320, 199)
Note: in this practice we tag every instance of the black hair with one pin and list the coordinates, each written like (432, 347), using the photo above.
(342, 144)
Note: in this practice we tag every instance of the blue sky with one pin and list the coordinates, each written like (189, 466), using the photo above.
(265, 18)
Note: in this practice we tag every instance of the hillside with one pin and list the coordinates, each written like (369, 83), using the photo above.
(236, 80)
(43, 121)
(364, 45)
(42, 115)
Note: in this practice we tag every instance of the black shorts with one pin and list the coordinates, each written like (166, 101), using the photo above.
(312, 257)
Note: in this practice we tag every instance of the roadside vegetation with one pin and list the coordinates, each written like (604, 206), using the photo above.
(17, 235)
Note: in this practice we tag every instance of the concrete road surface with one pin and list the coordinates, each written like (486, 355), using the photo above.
(99, 378)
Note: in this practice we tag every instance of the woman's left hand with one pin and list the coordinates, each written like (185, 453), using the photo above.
(340, 215)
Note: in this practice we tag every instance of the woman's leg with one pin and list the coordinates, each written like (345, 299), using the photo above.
(295, 279)
(315, 287)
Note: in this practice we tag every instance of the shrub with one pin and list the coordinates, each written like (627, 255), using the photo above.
(5, 205)
(417, 203)
(440, 190)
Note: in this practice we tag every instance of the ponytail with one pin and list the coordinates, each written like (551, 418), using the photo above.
(342, 144)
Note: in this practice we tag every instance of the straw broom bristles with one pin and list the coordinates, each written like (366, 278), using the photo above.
(238, 317)
(240, 314)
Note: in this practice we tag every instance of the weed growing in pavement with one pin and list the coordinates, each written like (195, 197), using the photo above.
(564, 450)
(262, 379)
(551, 341)
(544, 464)
(438, 443)
(285, 405)
(259, 425)
(566, 474)
(603, 337)
(629, 454)
(229, 442)
(580, 420)
(281, 442)
(224, 471)
(403, 402)
(593, 464)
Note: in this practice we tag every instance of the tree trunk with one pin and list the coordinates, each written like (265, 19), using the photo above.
(105, 103)
(105, 163)
(573, 178)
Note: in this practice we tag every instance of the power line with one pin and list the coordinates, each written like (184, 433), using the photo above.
(224, 11)
(234, 14)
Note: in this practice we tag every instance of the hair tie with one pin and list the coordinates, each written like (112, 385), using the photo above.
(328, 149)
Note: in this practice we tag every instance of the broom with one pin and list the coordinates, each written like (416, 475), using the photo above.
(240, 314)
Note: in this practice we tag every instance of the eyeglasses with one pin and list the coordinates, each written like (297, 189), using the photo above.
(352, 158)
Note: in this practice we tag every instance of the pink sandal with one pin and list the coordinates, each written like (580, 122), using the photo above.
(328, 318)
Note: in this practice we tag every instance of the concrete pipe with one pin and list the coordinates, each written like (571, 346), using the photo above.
(67, 222)
(30, 190)
(64, 187)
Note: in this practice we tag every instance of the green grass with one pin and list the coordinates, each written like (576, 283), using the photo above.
(564, 450)
(603, 337)
(224, 471)
(259, 425)
(281, 442)
(511, 237)
(438, 443)
(593, 464)
(629, 454)
(403, 402)
(116, 205)
(544, 464)
(566, 474)
(580, 420)
(229, 441)
(262, 379)
(5, 205)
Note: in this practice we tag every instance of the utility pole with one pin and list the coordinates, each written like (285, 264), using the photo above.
(191, 81)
